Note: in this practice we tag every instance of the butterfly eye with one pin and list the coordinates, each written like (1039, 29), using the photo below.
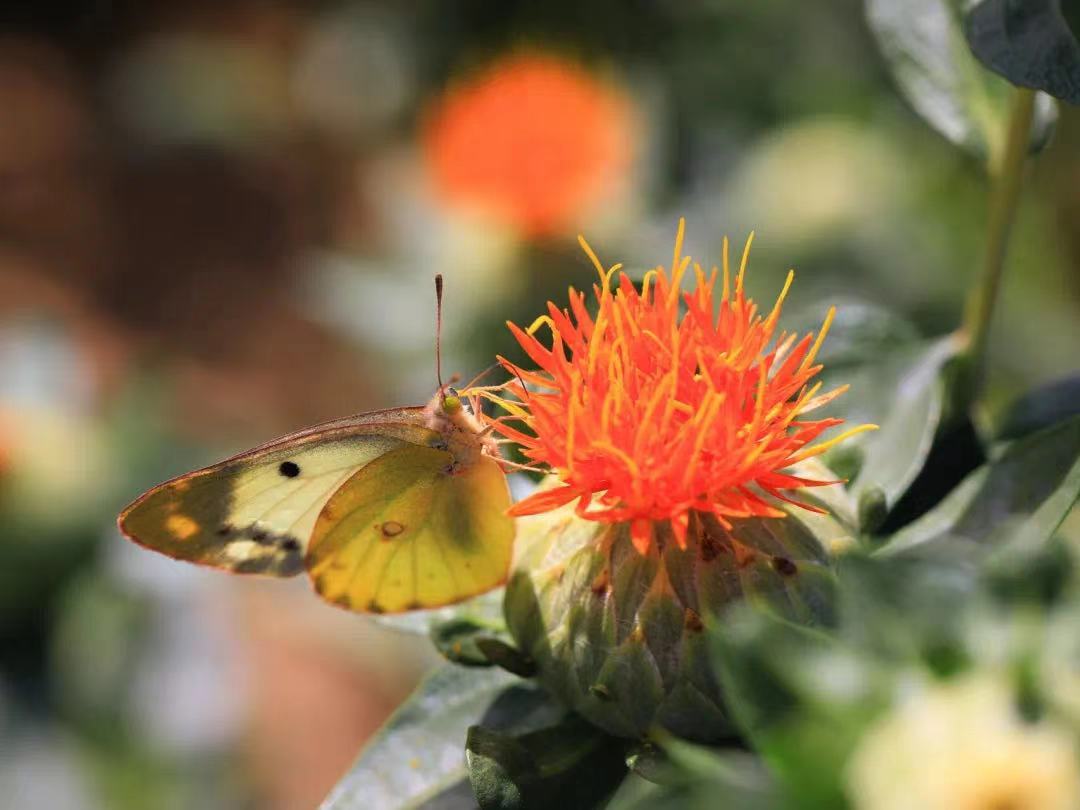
(452, 402)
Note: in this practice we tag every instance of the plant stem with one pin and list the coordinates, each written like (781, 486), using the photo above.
(1007, 176)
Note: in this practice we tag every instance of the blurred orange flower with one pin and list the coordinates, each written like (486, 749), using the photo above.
(532, 140)
(646, 412)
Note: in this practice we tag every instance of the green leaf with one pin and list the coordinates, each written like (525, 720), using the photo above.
(1016, 501)
(647, 760)
(1043, 577)
(721, 766)
(746, 647)
(903, 393)
(801, 697)
(474, 635)
(697, 776)
(418, 756)
(457, 641)
(506, 656)
(861, 331)
(573, 765)
(484, 611)
(924, 47)
(905, 610)
(1045, 406)
(958, 450)
(1029, 42)
(804, 697)
(500, 769)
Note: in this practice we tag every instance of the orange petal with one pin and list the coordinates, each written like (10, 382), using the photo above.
(544, 501)
(641, 535)
(541, 356)
(679, 524)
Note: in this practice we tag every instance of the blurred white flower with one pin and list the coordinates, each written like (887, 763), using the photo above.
(963, 746)
(53, 449)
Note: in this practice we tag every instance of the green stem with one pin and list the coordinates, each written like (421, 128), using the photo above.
(1007, 174)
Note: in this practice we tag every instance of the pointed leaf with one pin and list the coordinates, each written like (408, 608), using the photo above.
(697, 777)
(572, 764)
(1032, 43)
(457, 641)
(418, 756)
(902, 393)
(1017, 500)
(1047, 405)
(799, 695)
(904, 609)
(924, 46)
(648, 760)
(861, 331)
(500, 769)
(506, 656)
(483, 611)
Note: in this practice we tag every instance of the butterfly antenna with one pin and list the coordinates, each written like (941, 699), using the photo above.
(481, 375)
(438, 331)
(524, 390)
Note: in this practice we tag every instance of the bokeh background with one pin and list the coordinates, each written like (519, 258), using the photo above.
(220, 221)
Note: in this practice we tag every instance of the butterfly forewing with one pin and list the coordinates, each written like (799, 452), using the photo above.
(411, 530)
(255, 513)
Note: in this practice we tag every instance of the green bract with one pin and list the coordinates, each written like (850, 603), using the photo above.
(619, 636)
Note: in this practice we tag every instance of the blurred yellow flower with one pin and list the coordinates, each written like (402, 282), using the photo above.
(964, 746)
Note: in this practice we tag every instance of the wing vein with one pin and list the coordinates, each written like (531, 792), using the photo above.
(380, 580)
(290, 494)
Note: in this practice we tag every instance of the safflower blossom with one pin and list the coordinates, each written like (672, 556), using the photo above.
(662, 403)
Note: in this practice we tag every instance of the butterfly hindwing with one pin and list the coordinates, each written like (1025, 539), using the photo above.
(255, 513)
(410, 530)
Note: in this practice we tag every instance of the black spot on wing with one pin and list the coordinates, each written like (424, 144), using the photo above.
(273, 562)
(275, 554)
(290, 469)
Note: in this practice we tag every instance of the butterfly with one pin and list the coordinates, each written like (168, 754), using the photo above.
(388, 511)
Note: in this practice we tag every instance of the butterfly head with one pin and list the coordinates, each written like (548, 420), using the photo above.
(452, 403)
(448, 407)
(451, 414)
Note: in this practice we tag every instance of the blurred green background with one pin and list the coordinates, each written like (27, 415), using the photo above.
(220, 221)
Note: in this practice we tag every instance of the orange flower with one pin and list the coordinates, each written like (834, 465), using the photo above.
(532, 140)
(646, 412)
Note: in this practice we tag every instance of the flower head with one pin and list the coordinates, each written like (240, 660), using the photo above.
(532, 140)
(667, 403)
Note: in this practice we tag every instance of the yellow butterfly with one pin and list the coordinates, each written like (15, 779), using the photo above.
(387, 511)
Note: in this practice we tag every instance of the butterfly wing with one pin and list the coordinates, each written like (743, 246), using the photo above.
(254, 513)
(410, 531)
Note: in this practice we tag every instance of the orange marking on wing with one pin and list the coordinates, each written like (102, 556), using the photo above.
(182, 527)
